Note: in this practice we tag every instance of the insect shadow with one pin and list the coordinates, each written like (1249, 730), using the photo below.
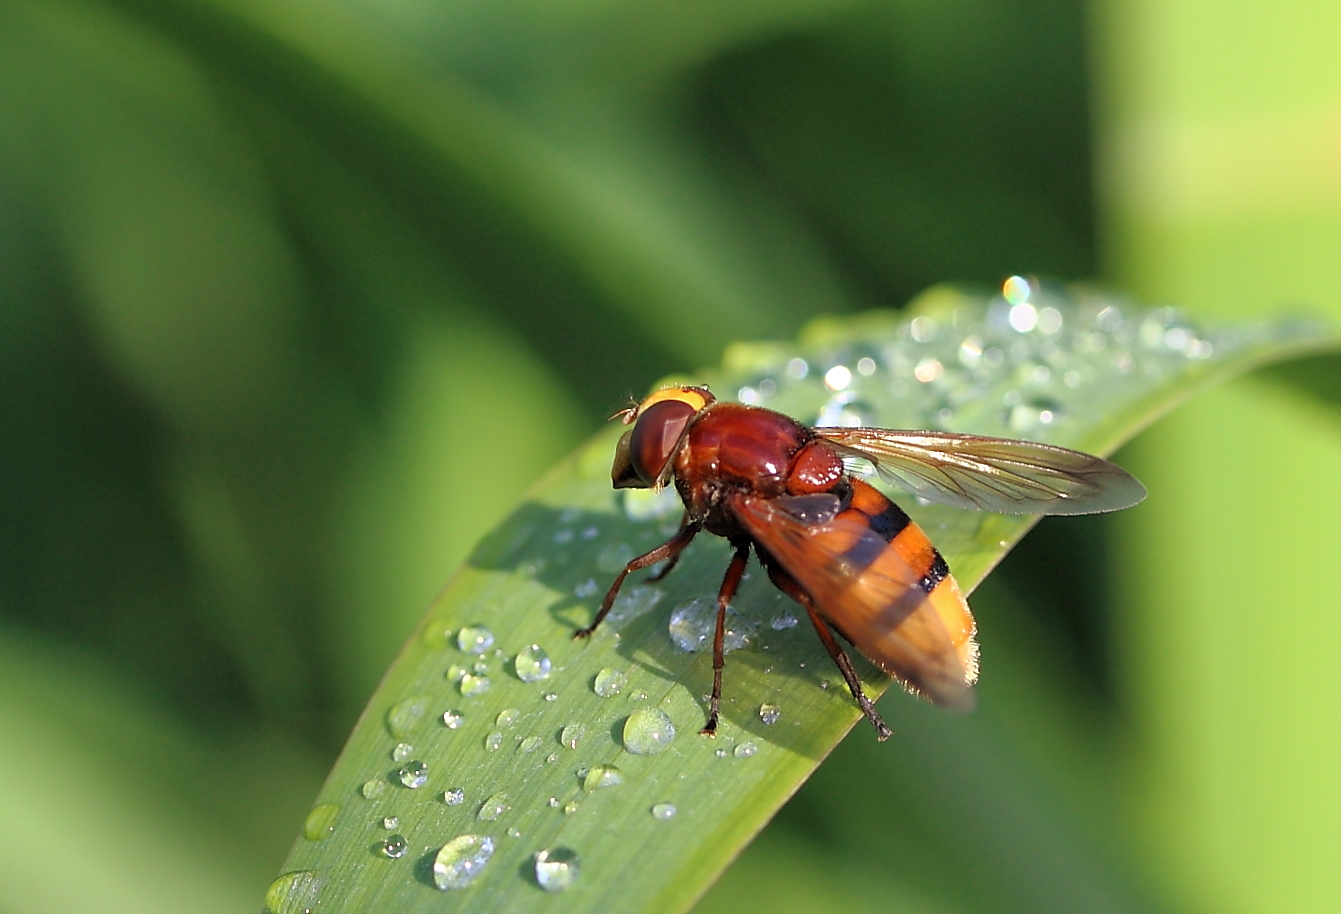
(577, 554)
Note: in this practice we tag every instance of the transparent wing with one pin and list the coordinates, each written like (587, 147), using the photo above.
(1006, 475)
(862, 585)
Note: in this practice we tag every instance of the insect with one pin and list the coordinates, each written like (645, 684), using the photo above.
(834, 543)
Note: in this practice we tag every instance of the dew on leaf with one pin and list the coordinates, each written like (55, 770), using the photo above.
(693, 625)
(769, 714)
(320, 822)
(663, 811)
(461, 860)
(507, 717)
(293, 893)
(373, 789)
(395, 847)
(493, 807)
(472, 685)
(406, 716)
(602, 776)
(453, 719)
(401, 752)
(556, 868)
(494, 741)
(746, 749)
(648, 731)
(570, 734)
(454, 797)
(414, 775)
(609, 682)
(532, 664)
(474, 639)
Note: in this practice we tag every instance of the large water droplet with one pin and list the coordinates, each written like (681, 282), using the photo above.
(507, 717)
(663, 811)
(395, 847)
(530, 744)
(492, 808)
(474, 639)
(494, 741)
(571, 734)
(373, 789)
(454, 797)
(532, 664)
(602, 776)
(405, 717)
(472, 685)
(769, 714)
(693, 625)
(293, 893)
(453, 719)
(648, 731)
(556, 868)
(461, 860)
(609, 682)
(320, 822)
(746, 749)
(401, 752)
(414, 775)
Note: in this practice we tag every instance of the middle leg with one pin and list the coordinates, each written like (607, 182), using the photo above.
(730, 581)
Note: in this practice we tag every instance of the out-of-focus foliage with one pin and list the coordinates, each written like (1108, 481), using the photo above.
(297, 297)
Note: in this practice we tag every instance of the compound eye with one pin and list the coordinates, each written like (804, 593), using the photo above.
(655, 435)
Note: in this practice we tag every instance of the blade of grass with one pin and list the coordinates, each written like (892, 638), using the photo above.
(1078, 370)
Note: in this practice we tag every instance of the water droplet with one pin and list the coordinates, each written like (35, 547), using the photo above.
(514, 832)
(481, 668)
(494, 741)
(570, 807)
(373, 789)
(454, 797)
(492, 808)
(532, 664)
(405, 717)
(414, 775)
(453, 719)
(609, 682)
(461, 860)
(648, 731)
(571, 734)
(474, 639)
(638, 696)
(293, 893)
(472, 685)
(663, 811)
(602, 776)
(551, 696)
(395, 847)
(721, 753)
(320, 822)
(782, 621)
(551, 758)
(693, 625)
(401, 752)
(769, 714)
(746, 749)
(614, 557)
(530, 744)
(507, 717)
(586, 589)
(390, 822)
(556, 868)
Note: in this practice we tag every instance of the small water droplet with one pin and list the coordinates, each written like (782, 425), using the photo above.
(693, 625)
(570, 807)
(782, 621)
(494, 741)
(414, 775)
(514, 832)
(461, 860)
(648, 731)
(293, 893)
(474, 639)
(554, 802)
(401, 752)
(373, 789)
(532, 664)
(746, 749)
(721, 753)
(638, 696)
(556, 868)
(472, 685)
(551, 758)
(663, 811)
(406, 716)
(507, 717)
(320, 822)
(551, 696)
(530, 744)
(571, 734)
(455, 672)
(769, 714)
(609, 682)
(395, 847)
(481, 668)
(602, 776)
(453, 719)
(492, 808)
(454, 797)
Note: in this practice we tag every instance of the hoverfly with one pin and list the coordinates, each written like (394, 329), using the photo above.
(832, 542)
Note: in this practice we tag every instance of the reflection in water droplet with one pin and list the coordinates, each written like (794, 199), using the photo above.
(401, 752)
(494, 741)
(474, 639)
(693, 626)
(472, 685)
(414, 775)
(454, 797)
(769, 714)
(602, 776)
(390, 822)
(609, 682)
(320, 822)
(453, 719)
(571, 734)
(461, 860)
(556, 868)
(663, 811)
(395, 847)
(492, 808)
(405, 717)
(293, 893)
(746, 749)
(648, 731)
(532, 664)
(507, 717)
(373, 789)
(530, 744)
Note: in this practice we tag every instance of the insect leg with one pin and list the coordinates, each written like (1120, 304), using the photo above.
(788, 585)
(673, 560)
(667, 550)
(730, 581)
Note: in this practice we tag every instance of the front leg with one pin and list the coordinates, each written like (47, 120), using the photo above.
(670, 549)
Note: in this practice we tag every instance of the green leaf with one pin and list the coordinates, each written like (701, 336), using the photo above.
(1072, 368)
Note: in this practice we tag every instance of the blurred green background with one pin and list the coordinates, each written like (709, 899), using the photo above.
(297, 296)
